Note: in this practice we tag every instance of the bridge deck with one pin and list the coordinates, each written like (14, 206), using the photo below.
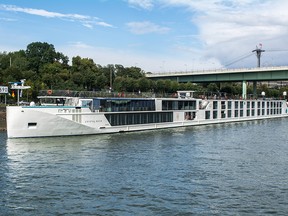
(226, 75)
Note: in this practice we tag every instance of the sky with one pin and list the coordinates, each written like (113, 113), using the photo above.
(155, 35)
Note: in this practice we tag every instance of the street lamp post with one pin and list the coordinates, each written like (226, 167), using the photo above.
(284, 95)
(111, 82)
(263, 94)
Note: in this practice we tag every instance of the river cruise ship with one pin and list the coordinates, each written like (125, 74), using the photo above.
(66, 116)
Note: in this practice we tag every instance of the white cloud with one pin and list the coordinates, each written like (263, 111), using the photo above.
(7, 19)
(145, 4)
(229, 28)
(227, 31)
(86, 21)
(146, 27)
(79, 45)
(151, 63)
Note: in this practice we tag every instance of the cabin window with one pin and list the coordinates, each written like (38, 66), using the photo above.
(248, 104)
(169, 105)
(215, 114)
(248, 112)
(236, 104)
(241, 105)
(60, 101)
(139, 118)
(207, 115)
(32, 125)
(86, 103)
(215, 104)
(241, 113)
(229, 113)
(223, 105)
(190, 115)
(118, 105)
(178, 105)
(229, 104)
(223, 114)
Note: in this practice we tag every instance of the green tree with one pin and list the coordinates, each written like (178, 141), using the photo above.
(132, 72)
(38, 54)
(101, 82)
(124, 84)
(160, 86)
(143, 84)
(4, 60)
(54, 75)
(109, 72)
(212, 87)
(84, 72)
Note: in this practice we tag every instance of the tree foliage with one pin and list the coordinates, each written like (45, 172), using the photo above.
(45, 68)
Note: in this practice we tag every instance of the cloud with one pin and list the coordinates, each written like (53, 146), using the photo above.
(146, 27)
(151, 63)
(7, 19)
(145, 4)
(79, 44)
(86, 21)
(227, 31)
(229, 28)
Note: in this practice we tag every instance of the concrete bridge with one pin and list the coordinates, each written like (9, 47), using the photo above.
(243, 75)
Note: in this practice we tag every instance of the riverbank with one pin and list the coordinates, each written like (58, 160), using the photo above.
(2, 118)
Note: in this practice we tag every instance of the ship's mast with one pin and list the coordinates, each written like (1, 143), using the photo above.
(19, 86)
(258, 51)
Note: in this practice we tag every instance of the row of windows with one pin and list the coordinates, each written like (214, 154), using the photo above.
(259, 112)
(139, 118)
(178, 105)
(118, 105)
(250, 104)
(240, 113)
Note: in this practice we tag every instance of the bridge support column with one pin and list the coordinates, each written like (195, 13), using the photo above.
(255, 89)
(244, 89)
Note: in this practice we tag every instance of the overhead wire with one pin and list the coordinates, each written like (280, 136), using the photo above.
(276, 50)
(239, 59)
(246, 55)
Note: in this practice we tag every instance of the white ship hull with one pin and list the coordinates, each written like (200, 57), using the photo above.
(47, 121)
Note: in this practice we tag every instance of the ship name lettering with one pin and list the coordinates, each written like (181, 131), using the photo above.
(64, 110)
(93, 121)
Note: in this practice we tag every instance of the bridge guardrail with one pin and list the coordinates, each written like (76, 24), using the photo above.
(240, 70)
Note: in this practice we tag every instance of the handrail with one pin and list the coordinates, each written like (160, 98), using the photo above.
(211, 71)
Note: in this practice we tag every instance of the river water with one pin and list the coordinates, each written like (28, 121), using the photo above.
(228, 169)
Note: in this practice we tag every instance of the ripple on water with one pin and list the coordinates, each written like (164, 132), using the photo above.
(232, 169)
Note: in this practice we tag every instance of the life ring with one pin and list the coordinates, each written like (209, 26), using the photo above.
(49, 92)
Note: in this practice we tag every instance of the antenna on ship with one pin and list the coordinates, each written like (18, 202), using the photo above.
(19, 86)
(258, 51)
